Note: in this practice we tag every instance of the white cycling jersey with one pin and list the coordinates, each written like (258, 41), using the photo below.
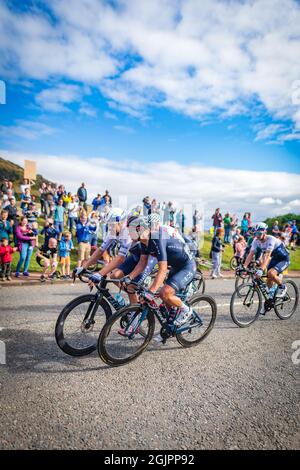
(270, 244)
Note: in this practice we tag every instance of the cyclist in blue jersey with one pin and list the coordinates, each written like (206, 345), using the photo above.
(275, 257)
(170, 252)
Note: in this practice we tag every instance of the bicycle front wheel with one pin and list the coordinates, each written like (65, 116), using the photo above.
(245, 306)
(76, 332)
(286, 307)
(121, 341)
(204, 316)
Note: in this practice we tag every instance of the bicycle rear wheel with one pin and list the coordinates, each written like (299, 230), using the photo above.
(286, 307)
(115, 349)
(203, 320)
(245, 306)
(75, 334)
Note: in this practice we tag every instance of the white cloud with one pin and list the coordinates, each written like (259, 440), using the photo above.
(55, 99)
(196, 58)
(270, 201)
(125, 129)
(187, 184)
(88, 110)
(29, 130)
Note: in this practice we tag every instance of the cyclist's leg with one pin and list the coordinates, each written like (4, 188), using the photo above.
(123, 270)
(177, 280)
(275, 268)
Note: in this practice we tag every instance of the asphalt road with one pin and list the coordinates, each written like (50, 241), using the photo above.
(239, 389)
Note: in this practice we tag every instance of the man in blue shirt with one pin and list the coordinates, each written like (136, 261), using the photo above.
(294, 235)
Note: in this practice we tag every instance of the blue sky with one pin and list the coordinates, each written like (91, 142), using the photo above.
(200, 84)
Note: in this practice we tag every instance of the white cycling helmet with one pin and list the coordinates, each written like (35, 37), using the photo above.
(261, 227)
(116, 215)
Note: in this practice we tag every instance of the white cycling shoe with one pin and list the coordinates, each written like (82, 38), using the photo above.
(183, 317)
(281, 292)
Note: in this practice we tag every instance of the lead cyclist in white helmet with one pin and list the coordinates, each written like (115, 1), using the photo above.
(275, 259)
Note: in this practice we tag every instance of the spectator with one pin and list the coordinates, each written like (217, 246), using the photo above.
(6, 252)
(4, 187)
(31, 213)
(217, 220)
(93, 220)
(154, 206)
(244, 225)
(5, 225)
(83, 232)
(275, 229)
(73, 207)
(60, 193)
(294, 235)
(82, 196)
(49, 231)
(43, 196)
(180, 220)
(12, 210)
(235, 238)
(146, 206)
(49, 201)
(106, 198)
(249, 221)
(96, 203)
(227, 226)
(240, 247)
(59, 214)
(65, 247)
(26, 241)
(10, 189)
(26, 185)
(47, 257)
(25, 199)
(67, 198)
(5, 202)
(216, 252)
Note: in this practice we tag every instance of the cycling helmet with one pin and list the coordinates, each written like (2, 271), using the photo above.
(116, 215)
(154, 219)
(138, 222)
(261, 227)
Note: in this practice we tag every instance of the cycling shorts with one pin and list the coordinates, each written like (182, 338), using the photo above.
(180, 278)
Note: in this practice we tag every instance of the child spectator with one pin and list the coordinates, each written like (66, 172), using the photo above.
(240, 248)
(65, 247)
(5, 225)
(6, 252)
(93, 220)
(47, 257)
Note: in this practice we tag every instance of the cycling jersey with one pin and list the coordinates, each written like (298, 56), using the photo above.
(172, 250)
(280, 256)
(271, 244)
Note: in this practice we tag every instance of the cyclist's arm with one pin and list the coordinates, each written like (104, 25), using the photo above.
(114, 263)
(139, 267)
(93, 259)
(160, 276)
(249, 259)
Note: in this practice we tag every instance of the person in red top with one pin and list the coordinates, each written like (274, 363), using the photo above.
(6, 252)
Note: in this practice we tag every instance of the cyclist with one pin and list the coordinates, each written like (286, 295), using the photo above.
(117, 232)
(275, 257)
(169, 251)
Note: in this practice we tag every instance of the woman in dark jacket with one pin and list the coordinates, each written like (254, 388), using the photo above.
(26, 241)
